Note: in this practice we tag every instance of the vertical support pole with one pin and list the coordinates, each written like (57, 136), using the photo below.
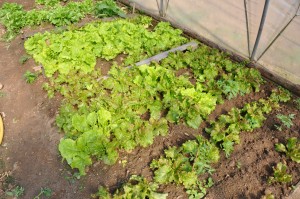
(162, 10)
(247, 27)
(133, 8)
(281, 31)
(261, 26)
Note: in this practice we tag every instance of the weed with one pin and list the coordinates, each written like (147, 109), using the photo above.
(24, 58)
(239, 165)
(15, 120)
(9, 179)
(44, 192)
(298, 103)
(286, 121)
(30, 77)
(268, 196)
(124, 162)
(72, 179)
(2, 94)
(16, 192)
(81, 187)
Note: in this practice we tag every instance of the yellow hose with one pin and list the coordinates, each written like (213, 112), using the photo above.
(1, 129)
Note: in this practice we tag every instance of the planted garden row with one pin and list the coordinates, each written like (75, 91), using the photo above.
(101, 116)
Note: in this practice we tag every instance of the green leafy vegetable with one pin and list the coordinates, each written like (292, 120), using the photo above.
(291, 149)
(108, 8)
(48, 2)
(183, 165)
(280, 174)
(281, 95)
(136, 187)
(14, 17)
(78, 49)
(226, 129)
(216, 72)
(101, 116)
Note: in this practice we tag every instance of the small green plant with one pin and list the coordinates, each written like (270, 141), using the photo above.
(280, 174)
(268, 196)
(30, 77)
(72, 178)
(298, 103)
(136, 187)
(48, 2)
(108, 8)
(286, 121)
(123, 162)
(47, 192)
(9, 180)
(239, 165)
(184, 164)
(16, 192)
(291, 149)
(2, 94)
(282, 95)
(24, 58)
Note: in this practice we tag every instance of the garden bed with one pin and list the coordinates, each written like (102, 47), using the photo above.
(29, 152)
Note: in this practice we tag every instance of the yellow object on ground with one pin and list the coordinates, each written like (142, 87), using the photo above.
(1, 129)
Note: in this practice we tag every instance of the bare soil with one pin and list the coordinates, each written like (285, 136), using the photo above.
(30, 157)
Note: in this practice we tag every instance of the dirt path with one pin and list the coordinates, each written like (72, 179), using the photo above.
(29, 147)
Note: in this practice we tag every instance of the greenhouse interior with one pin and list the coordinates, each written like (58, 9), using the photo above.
(156, 99)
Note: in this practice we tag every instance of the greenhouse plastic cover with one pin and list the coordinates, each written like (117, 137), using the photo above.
(224, 23)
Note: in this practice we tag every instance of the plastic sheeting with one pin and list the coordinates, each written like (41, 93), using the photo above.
(224, 23)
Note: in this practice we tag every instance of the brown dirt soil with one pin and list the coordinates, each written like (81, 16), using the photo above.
(29, 150)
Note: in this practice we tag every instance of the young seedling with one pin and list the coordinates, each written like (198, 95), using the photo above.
(136, 187)
(16, 192)
(286, 121)
(298, 103)
(47, 192)
(30, 77)
(280, 174)
(239, 165)
(72, 178)
(292, 149)
(124, 163)
(268, 196)
(24, 59)
(2, 94)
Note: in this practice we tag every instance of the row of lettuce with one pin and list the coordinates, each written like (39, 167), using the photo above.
(186, 164)
(56, 12)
